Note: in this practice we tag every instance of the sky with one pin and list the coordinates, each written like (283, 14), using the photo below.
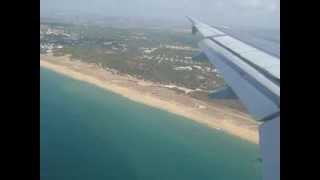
(256, 13)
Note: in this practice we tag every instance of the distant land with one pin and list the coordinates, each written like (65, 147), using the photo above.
(153, 66)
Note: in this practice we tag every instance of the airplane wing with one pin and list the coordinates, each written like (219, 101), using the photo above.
(254, 76)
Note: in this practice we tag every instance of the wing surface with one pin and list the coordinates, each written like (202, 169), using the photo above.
(254, 77)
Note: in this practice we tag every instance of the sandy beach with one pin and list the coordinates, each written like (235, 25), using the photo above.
(156, 95)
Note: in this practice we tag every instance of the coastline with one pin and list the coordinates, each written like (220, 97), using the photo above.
(152, 94)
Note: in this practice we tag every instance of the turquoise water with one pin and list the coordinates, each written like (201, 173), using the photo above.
(87, 133)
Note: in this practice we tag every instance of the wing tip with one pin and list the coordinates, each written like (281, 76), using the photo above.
(191, 19)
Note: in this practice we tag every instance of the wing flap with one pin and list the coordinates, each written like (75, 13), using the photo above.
(246, 70)
(259, 58)
(239, 82)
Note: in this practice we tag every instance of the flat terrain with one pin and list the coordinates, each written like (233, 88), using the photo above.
(158, 55)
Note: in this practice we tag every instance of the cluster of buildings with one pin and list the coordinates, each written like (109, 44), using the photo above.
(148, 54)
(115, 46)
(147, 50)
(49, 47)
(54, 38)
(188, 48)
(163, 58)
(190, 68)
(139, 37)
(57, 31)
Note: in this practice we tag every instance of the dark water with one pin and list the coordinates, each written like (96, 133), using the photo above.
(90, 134)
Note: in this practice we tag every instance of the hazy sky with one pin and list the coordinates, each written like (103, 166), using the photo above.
(263, 13)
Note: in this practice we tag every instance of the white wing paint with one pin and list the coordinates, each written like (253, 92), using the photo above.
(254, 76)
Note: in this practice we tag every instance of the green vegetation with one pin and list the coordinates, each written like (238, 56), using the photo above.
(154, 55)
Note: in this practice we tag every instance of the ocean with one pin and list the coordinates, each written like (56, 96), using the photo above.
(87, 133)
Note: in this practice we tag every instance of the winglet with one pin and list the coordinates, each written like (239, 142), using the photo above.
(204, 29)
(193, 22)
(190, 19)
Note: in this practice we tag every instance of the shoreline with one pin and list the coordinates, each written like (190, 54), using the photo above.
(151, 94)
